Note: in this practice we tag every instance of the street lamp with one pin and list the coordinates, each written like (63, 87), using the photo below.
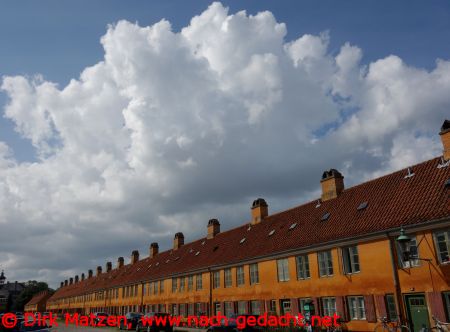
(403, 240)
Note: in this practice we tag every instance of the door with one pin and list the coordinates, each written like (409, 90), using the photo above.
(417, 312)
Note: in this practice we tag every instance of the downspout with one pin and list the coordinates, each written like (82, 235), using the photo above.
(397, 288)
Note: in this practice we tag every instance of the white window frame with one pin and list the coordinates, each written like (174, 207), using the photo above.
(325, 262)
(254, 273)
(283, 269)
(329, 306)
(356, 307)
(240, 276)
(446, 234)
(350, 260)
(302, 264)
(228, 280)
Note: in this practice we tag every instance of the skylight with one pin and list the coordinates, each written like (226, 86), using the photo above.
(203, 243)
(447, 183)
(157, 263)
(325, 216)
(293, 225)
(176, 258)
(363, 205)
(191, 250)
(197, 253)
(242, 240)
(318, 203)
(249, 228)
(167, 261)
(271, 232)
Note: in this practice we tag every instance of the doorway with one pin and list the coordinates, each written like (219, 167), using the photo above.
(417, 312)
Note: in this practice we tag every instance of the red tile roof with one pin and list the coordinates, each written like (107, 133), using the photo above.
(393, 200)
(37, 298)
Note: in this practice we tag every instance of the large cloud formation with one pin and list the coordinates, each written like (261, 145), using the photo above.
(173, 128)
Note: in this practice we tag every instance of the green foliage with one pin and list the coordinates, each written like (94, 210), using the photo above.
(32, 287)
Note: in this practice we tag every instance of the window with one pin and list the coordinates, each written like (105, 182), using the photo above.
(255, 307)
(240, 278)
(182, 281)
(174, 285)
(325, 263)
(302, 267)
(242, 307)
(273, 306)
(229, 310)
(283, 269)
(198, 281)
(303, 302)
(161, 286)
(286, 306)
(356, 307)
(190, 283)
(443, 246)
(329, 306)
(216, 279)
(411, 247)
(228, 280)
(447, 302)
(391, 307)
(350, 259)
(254, 274)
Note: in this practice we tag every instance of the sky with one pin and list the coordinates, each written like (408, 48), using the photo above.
(124, 122)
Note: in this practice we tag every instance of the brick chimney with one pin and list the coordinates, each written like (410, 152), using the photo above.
(108, 266)
(76, 279)
(62, 284)
(120, 262)
(134, 257)
(332, 184)
(90, 274)
(70, 281)
(154, 249)
(82, 277)
(99, 270)
(178, 240)
(445, 137)
(260, 210)
(213, 228)
(66, 282)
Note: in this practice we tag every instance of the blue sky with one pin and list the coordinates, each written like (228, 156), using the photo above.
(174, 129)
(59, 38)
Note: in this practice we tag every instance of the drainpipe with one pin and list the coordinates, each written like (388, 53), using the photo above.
(397, 288)
(210, 292)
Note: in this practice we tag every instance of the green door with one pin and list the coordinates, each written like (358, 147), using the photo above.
(417, 312)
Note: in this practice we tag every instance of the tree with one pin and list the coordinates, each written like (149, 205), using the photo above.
(32, 287)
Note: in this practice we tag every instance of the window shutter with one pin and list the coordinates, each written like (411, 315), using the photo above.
(370, 309)
(381, 305)
(341, 308)
(267, 306)
(247, 307)
(236, 307)
(294, 306)
(437, 305)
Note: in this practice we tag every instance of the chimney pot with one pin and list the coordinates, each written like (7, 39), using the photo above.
(76, 279)
(154, 249)
(82, 277)
(99, 270)
(445, 138)
(66, 282)
(108, 267)
(332, 184)
(178, 240)
(90, 274)
(260, 210)
(62, 284)
(70, 281)
(134, 257)
(213, 228)
(120, 262)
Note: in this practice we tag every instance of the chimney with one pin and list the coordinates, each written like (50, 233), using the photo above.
(134, 256)
(76, 279)
(332, 184)
(154, 248)
(120, 262)
(178, 240)
(99, 270)
(260, 210)
(90, 274)
(213, 228)
(66, 282)
(70, 281)
(445, 137)
(108, 267)
(82, 277)
(62, 284)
